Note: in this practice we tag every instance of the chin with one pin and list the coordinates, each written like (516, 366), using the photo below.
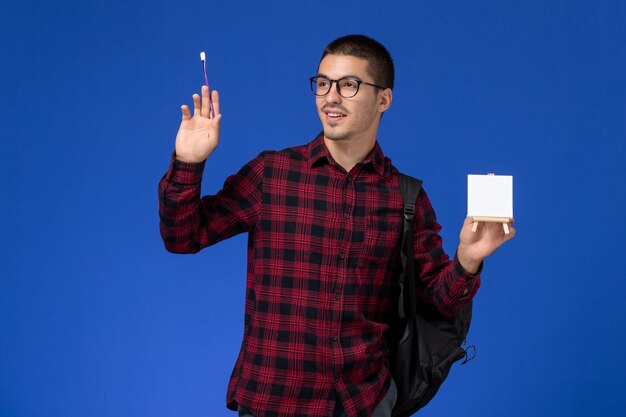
(332, 134)
(335, 137)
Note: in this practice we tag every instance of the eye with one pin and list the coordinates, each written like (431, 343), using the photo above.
(322, 82)
(350, 84)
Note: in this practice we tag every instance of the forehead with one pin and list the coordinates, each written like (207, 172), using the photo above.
(337, 66)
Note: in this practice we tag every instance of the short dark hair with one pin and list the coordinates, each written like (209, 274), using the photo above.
(380, 64)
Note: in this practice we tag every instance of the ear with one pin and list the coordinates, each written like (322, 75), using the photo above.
(384, 100)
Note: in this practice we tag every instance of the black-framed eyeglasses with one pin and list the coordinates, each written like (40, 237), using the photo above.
(346, 87)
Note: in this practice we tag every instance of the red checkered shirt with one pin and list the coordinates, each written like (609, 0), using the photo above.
(322, 248)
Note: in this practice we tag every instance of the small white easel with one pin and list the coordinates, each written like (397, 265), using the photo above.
(490, 199)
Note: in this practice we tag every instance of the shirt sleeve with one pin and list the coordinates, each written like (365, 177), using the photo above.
(442, 283)
(189, 223)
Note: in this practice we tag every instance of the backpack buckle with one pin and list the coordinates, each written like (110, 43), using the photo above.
(409, 211)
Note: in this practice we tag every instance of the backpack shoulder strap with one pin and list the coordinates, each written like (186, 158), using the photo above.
(410, 188)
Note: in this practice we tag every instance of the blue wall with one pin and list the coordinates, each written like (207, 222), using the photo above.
(96, 319)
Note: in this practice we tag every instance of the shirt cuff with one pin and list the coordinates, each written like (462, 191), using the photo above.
(459, 268)
(466, 283)
(185, 173)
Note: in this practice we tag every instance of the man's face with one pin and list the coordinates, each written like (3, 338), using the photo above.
(355, 117)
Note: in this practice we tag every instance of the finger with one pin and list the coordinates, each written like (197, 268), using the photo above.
(511, 233)
(215, 126)
(185, 110)
(197, 106)
(206, 107)
(215, 98)
(470, 223)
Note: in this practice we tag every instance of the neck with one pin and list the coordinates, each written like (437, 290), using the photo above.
(349, 153)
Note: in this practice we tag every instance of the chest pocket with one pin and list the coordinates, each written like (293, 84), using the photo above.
(382, 241)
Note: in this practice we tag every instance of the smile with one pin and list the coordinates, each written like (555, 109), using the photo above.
(334, 116)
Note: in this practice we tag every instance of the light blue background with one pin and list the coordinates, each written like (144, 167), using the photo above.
(96, 319)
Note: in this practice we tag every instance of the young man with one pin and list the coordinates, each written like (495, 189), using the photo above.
(324, 223)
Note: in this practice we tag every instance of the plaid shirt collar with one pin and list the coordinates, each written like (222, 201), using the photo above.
(318, 153)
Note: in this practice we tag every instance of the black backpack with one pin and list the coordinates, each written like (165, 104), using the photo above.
(423, 344)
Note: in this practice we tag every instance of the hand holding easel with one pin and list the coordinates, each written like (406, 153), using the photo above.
(489, 218)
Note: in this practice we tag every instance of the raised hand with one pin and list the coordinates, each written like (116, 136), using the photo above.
(198, 136)
(476, 246)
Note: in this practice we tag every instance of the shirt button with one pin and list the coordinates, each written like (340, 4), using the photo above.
(337, 296)
(346, 215)
(335, 338)
(341, 255)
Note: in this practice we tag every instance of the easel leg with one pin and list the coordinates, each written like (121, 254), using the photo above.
(505, 226)
(474, 226)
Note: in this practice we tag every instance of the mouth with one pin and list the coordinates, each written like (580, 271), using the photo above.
(334, 115)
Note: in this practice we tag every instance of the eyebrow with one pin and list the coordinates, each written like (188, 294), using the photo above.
(356, 77)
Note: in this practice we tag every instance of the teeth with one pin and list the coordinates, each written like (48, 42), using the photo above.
(334, 114)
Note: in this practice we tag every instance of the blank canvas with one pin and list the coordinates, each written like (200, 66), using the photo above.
(490, 196)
